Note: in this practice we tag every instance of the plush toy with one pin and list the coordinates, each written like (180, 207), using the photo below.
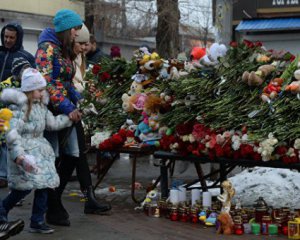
(136, 87)
(129, 125)
(149, 67)
(211, 220)
(215, 51)
(262, 58)
(128, 101)
(142, 130)
(130, 140)
(294, 87)
(139, 101)
(226, 224)
(202, 216)
(151, 197)
(5, 114)
(258, 77)
(197, 53)
(272, 89)
(226, 196)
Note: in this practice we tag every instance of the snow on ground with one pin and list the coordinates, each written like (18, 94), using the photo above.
(278, 187)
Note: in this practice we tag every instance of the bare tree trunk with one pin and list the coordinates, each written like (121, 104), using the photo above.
(89, 14)
(167, 36)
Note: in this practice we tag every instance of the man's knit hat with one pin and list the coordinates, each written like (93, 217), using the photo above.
(18, 65)
(66, 19)
(83, 35)
(31, 80)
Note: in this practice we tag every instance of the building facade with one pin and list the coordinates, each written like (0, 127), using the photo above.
(276, 23)
(34, 16)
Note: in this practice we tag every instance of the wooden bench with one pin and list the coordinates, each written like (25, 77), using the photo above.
(226, 166)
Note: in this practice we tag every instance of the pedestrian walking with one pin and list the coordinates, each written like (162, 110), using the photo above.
(31, 159)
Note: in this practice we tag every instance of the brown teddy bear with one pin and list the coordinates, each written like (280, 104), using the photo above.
(258, 77)
(294, 87)
(226, 225)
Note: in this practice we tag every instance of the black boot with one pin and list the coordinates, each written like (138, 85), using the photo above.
(56, 213)
(92, 206)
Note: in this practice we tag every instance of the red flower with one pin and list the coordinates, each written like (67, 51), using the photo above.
(104, 76)
(236, 155)
(166, 141)
(184, 128)
(201, 147)
(227, 150)
(256, 156)
(258, 44)
(282, 150)
(117, 140)
(211, 155)
(199, 131)
(123, 133)
(197, 153)
(233, 44)
(246, 150)
(248, 43)
(219, 150)
(130, 133)
(292, 57)
(286, 159)
(96, 69)
(106, 145)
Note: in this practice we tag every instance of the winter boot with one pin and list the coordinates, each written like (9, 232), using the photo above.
(56, 213)
(92, 206)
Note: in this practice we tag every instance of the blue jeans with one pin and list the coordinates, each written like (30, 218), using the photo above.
(3, 162)
(39, 206)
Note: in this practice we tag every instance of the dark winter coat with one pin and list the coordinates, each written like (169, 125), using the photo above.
(8, 55)
(95, 57)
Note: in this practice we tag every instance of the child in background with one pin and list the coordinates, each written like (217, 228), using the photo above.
(30, 156)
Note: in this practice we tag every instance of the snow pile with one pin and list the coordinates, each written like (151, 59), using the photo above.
(278, 187)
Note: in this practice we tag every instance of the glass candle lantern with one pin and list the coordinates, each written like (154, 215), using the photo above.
(247, 228)
(278, 221)
(275, 213)
(259, 213)
(174, 214)
(238, 225)
(297, 212)
(273, 230)
(285, 230)
(194, 215)
(245, 218)
(255, 228)
(163, 208)
(266, 220)
(169, 209)
(153, 210)
(294, 229)
(182, 214)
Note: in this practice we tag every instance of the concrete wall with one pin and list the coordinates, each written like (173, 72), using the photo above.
(41, 7)
(34, 16)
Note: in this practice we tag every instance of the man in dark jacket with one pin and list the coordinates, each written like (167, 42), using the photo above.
(94, 54)
(12, 47)
(12, 57)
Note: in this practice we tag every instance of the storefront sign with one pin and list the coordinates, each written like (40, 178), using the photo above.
(286, 3)
(277, 3)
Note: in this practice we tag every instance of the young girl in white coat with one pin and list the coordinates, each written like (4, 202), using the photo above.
(30, 156)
